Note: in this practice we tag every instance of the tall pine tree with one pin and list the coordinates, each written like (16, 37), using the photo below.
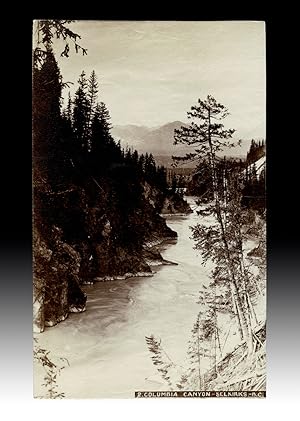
(47, 142)
(81, 112)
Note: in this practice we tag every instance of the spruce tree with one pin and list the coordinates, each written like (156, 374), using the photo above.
(80, 113)
(49, 29)
(92, 92)
(47, 146)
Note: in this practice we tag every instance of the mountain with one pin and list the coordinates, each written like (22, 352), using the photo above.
(157, 140)
(160, 141)
(130, 132)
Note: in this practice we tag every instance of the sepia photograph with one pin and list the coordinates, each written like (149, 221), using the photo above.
(149, 209)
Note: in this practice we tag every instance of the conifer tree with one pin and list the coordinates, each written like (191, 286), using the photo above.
(101, 144)
(49, 29)
(80, 113)
(69, 115)
(92, 92)
(47, 148)
(223, 241)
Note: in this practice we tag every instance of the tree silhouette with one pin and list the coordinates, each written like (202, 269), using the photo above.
(47, 31)
(47, 141)
(81, 112)
(223, 241)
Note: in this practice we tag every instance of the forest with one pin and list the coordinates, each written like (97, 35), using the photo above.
(96, 205)
(232, 210)
(100, 214)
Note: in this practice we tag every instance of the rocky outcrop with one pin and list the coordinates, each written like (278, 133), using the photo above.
(78, 241)
(168, 203)
(153, 257)
(174, 204)
(57, 289)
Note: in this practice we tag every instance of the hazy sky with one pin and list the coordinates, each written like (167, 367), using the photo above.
(151, 73)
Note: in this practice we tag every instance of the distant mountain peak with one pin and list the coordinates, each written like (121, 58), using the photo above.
(159, 140)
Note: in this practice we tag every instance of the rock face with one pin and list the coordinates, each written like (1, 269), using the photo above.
(77, 241)
(167, 203)
(174, 203)
(56, 283)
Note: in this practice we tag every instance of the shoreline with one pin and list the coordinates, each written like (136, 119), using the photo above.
(151, 246)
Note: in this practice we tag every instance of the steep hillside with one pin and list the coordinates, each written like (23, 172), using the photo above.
(96, 206)
(77, 242)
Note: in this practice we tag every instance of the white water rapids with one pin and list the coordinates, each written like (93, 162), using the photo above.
(105, 345)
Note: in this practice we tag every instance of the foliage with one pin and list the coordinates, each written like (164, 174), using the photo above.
(205, 133)
(50, 29)
(256, 151)
(160, 358)
(221, 242)
(52, 371)
(86, 185)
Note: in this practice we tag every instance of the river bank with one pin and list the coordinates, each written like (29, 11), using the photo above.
(105, 346)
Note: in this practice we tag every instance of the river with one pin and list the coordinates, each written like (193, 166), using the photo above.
(105, 345)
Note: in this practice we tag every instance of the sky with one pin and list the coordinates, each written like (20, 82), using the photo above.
(152, 72)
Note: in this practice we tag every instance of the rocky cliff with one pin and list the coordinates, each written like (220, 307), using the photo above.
(174, 203)
(78, 241)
